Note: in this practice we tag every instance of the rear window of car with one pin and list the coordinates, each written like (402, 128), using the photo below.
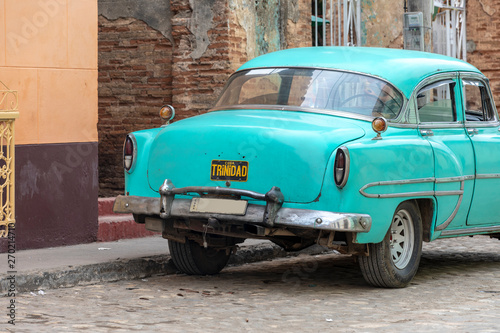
(312, 89)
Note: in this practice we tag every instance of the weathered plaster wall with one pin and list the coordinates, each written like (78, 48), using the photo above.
(179, 52)
(200, 23)
(382, 23)
(201, 63)
(155, 13)
(263, 26)
(298, 31)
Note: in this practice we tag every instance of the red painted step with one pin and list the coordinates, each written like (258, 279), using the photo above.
(113, 226)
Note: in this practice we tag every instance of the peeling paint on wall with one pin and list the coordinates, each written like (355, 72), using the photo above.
(262, 22)
(156, 13)
(382, 23)
(199, 24)
(293, 12)
(267, 26)
(245, 15)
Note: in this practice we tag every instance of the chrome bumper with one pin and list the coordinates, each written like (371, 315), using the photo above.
(270, 215)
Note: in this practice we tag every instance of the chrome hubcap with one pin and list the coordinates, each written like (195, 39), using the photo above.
(401, 240)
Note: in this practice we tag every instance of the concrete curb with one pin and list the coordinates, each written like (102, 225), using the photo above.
(130, 269)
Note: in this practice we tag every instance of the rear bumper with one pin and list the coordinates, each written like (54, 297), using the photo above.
(270, 215)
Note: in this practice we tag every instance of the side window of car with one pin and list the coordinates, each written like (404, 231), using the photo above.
(436, 102)
(477, 102)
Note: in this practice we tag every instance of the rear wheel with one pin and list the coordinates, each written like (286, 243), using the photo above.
(194, 259)
(394, 262)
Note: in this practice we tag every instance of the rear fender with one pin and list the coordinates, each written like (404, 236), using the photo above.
(374, 161)
(136, 182)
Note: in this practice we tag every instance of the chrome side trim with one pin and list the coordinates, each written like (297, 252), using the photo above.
(469, 231)
(453, 179)
(419, 181)
(460, 192)
(414, 181)
(446, 223)
(488, 176)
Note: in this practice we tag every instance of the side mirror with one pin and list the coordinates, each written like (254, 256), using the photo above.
(167, 113)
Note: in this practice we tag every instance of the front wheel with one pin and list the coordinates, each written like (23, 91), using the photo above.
(194, 259)
(394, 262)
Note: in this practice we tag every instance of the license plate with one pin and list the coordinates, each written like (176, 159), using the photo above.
(229, 170)
(218, 206)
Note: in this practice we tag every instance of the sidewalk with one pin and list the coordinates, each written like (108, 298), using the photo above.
(92, 263)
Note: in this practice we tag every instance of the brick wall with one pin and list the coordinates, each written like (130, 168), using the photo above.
(198, 80)
(298, 26)
(140, 70)
(135, 80)
(483, 35)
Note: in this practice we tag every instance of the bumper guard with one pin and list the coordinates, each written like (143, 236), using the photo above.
(270, 215)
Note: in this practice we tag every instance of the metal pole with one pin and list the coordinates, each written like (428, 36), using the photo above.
(323, 3)
(346, 23)
(464, 30)
(339, 40)
(358, 23)
(448, 33)
(316, 23)
(331, 23)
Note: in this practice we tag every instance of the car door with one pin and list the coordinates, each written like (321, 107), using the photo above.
(440, 122)
(482, 126)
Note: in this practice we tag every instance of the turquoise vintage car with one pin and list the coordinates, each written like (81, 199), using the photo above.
(367, 151)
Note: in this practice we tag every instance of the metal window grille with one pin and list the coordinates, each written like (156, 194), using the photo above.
(449, 28)
(340, 23)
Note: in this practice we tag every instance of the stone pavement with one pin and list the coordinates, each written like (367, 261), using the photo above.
(456, 290)
(109, 261)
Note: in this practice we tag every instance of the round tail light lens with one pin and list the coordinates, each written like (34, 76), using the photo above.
(341, 167)
(128, 153)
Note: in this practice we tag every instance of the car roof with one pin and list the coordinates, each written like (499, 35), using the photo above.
(403, 68)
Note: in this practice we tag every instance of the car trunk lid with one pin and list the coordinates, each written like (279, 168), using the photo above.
(252, 149)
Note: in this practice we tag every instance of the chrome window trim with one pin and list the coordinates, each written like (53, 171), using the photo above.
(430, 80)
(483, 79)
(402, 125)
(250, 107)
(441, 125)
(482, 124)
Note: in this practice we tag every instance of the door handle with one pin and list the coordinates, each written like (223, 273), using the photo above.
(472, 131)
(426, 132)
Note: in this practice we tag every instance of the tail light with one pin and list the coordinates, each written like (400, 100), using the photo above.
(129, 153)
(341, 167)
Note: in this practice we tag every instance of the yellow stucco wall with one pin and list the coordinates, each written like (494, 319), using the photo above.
(48, 53)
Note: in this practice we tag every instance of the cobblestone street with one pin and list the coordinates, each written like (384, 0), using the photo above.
(456, 290)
